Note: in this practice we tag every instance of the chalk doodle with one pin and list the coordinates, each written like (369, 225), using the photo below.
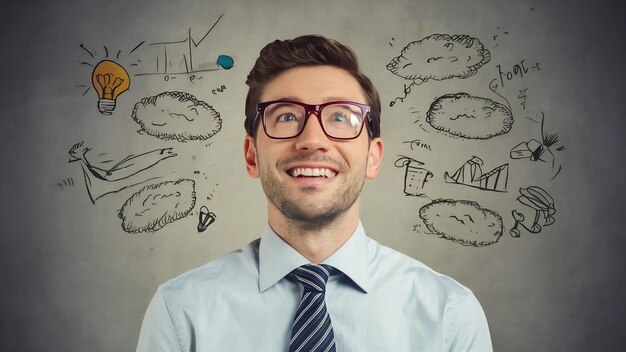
(471, 174)
(219, 89)
(108, 78)
(68, 182)
(522, 97)
(157, 205)
(176, 116)
(462, 221)
(104, 175)
(205, 218)
(438, 57)
(418, 144)
(470, 117)
(541, 207)
(495, 37)
(415, 176)
(517, 72)
(535, 150)
(177, 57)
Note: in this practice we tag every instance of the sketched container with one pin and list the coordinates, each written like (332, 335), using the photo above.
(415, 176)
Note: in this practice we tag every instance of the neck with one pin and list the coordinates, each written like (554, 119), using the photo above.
(319, 242)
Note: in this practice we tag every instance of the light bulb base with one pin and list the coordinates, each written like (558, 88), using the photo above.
(106, 106)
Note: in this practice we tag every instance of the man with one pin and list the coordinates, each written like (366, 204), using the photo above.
(314, 281)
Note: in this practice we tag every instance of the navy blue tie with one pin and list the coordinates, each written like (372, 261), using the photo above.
(312, 329)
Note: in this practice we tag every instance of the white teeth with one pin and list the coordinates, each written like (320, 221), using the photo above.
(318, 172)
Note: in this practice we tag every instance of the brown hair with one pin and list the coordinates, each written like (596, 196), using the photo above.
(307, 50)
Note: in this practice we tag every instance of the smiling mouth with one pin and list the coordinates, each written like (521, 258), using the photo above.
(312, 172)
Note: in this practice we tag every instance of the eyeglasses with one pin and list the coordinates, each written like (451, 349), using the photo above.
(284, 119)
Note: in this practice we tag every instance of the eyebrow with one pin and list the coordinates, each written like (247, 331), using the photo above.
(325, 100)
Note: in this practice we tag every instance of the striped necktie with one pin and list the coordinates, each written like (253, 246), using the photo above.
(312, 329)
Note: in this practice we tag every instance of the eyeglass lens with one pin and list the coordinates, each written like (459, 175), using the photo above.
(284, 119)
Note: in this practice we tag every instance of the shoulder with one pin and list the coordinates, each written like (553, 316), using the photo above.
(425, 292)
(230, 271)
(397, 267)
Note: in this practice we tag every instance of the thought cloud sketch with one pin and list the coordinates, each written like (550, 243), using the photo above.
(470, 117)
(176, 116)
(462, 221)
(155, 206)
(104, 174)
(471, 174)
(538, 211)
(438, 57)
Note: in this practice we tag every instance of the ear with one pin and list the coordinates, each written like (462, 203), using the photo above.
(250, 155)
(374, 158)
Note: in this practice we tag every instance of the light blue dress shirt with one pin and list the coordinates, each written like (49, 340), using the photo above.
(382, 301)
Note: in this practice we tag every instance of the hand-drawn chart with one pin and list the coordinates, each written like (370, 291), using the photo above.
(178, 57)
(438, 57)
(462, 221)
(176, 116)
(471, 174)
(155, 206)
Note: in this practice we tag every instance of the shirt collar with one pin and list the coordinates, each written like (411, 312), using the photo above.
(277, 259)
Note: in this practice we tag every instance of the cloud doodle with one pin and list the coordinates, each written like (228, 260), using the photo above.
(440, 57)
(176, 116)
(467, 116)
(462, 221)
(157, 205)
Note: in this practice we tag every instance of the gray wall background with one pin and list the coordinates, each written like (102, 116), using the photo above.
(74, 280)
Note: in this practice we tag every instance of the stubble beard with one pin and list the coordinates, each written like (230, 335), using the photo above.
(312, 216)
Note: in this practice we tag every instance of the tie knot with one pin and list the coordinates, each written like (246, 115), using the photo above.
(313, 276)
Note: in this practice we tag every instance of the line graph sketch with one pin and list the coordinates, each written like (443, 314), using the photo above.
(182, 56)
(471, 174)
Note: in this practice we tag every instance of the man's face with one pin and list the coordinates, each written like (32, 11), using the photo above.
(312, 179)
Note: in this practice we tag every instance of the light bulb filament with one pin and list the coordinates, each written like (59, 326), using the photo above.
(108, 87)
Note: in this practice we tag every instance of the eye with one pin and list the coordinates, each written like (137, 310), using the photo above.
(339, 117)
(289, 117)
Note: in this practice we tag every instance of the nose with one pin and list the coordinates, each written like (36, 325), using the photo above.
(312, 136)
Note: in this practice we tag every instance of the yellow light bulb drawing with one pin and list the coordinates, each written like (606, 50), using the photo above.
(110, 80)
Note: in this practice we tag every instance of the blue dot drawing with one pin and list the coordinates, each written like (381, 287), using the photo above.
(226, 62)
